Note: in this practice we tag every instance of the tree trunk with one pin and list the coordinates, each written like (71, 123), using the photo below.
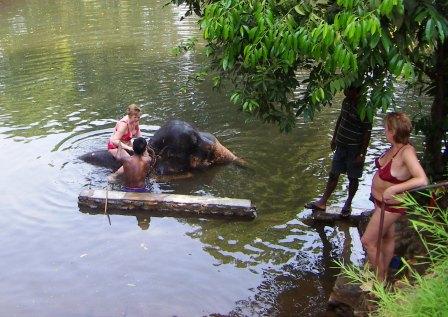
(433, 156)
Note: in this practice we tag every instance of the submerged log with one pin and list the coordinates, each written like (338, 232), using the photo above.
(167, 204)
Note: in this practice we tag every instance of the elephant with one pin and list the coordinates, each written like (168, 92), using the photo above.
(178, 148)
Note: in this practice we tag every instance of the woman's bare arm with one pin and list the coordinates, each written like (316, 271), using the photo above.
(118, 134)
(139, 132)
(121, 155)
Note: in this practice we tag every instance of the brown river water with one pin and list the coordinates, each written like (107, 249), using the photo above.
(67, 70)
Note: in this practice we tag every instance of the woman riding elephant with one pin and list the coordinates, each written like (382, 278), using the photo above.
(126, 129)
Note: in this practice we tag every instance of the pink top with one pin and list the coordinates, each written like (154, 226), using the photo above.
(125, 138)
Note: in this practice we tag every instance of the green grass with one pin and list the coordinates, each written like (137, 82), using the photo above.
(427, 294)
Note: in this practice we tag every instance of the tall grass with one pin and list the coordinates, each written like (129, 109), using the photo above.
(431, 223)
(426, 295)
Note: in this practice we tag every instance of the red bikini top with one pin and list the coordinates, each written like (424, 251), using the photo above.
(384, 172)
(128, 135)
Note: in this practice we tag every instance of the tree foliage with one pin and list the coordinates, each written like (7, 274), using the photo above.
(261, 45)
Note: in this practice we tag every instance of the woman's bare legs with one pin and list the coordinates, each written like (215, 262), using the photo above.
(370, 240)
(388, 248)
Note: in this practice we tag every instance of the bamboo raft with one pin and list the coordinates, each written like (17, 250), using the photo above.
(166, 204)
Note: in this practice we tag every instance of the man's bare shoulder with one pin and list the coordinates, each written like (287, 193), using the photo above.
(127, 158)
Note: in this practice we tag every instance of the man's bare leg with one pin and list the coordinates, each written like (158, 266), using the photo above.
(353, 184)
(321, 203)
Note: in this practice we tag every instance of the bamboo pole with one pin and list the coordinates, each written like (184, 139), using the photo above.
(380, 234)
(105, 204)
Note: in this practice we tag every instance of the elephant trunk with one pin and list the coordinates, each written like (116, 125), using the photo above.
(223, 155)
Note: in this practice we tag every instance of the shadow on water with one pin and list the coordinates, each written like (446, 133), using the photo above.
(284, 292)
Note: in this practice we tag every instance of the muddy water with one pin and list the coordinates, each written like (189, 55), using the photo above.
(67, 70)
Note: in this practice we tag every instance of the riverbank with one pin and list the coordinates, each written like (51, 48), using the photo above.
(421, 244)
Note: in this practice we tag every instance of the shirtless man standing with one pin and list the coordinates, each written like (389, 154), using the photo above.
(135, 167)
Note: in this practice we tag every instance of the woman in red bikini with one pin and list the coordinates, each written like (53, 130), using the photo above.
(125, 129)
(398, 171)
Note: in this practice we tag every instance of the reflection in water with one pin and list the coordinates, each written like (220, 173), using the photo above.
(143, 222)
(58, 66)
(284, 292)
(67, 68)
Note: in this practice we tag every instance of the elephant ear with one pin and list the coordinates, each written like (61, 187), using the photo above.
(204, 147)
(195, 148)
(208, 138)
(156, 142)
(195, 139)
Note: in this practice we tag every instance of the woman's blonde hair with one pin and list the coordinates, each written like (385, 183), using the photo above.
(133, 110)
(400, 123)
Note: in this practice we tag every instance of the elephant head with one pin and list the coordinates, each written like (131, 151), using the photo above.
(180, 147)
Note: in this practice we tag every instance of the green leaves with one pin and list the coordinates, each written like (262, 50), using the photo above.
(348, 4)
(262, 46)
(317, 95)
(430, 30)
(436, 29)
(387, 6)
(433, 22)
(299, 10)
(385, 40)
(250, 105)
(407, 71)
(235, 97)
(225, 62)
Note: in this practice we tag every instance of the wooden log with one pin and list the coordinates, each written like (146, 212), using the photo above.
(333, 214)
(167, 204)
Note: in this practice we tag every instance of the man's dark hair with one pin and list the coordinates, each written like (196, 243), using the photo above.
(139, 146)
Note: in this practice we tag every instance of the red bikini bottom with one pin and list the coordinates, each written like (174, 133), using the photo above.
(111, 146)
(388, 207)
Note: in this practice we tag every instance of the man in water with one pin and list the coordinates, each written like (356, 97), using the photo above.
(351, 138)
(135, 167)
